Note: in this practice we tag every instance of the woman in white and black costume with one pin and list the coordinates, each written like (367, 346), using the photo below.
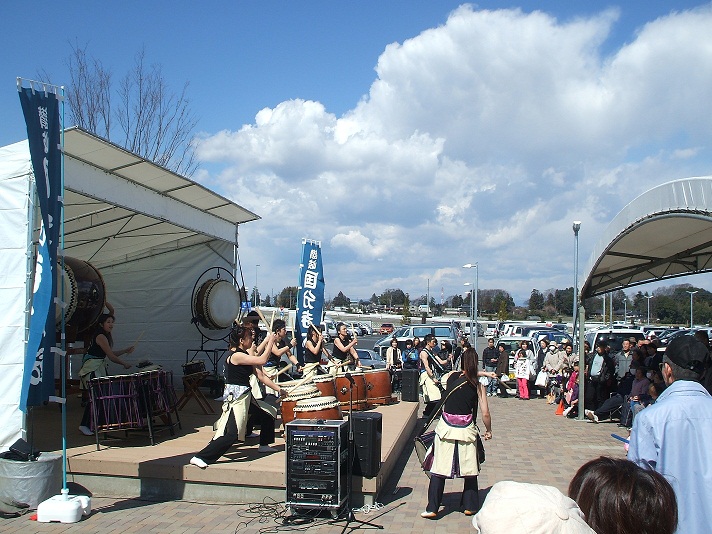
(314, 346)
(344, 351)
(239, 404)
(279, 349)
(455, 447)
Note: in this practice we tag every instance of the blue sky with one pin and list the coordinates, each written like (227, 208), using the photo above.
(410, 137)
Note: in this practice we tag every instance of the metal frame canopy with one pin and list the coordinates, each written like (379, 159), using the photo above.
(120, 206)
(664, 233)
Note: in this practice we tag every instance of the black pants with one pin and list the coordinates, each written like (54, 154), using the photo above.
(470, 499)
(609, 406)
(219, 446)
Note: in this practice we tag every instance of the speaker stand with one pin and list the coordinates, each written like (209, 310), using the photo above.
(350, 518)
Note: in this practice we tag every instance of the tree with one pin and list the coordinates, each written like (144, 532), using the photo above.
(502, 313)
(392, 297)
(267, 301)
(288, 297)
(146, 117)
(536, 300)
(255, 296)
(341, 300)
(457, 301)
(406, 309)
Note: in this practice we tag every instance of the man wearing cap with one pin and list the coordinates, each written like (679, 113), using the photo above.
(674, 435)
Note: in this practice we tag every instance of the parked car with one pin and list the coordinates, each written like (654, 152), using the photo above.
(367, 329)
(371, 359)
(442, 332)
(613, 337)
(386, 328)
(511, 345)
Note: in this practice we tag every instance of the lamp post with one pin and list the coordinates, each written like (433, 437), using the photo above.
(576, 227)
(648, 297)
(691, 293)
(254, 296)
(475, 311)
(472, 308)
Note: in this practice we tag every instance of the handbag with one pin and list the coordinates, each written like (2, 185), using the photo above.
(541, 379)
(480, 449)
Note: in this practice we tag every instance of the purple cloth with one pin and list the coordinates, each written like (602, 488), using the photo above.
(640, 387)
(457, 420)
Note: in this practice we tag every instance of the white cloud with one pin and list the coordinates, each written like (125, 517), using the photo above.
(480, 140)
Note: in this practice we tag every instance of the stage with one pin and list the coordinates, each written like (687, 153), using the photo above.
(131, 467)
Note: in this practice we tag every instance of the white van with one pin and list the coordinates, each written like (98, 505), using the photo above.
(490, 329)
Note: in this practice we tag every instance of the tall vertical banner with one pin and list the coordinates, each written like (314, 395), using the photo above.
(41, 110)
(310, 293)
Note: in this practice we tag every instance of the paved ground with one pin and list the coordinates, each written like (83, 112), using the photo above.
(530, 444)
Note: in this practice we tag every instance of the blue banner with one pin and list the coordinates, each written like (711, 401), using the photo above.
(41, 110)
(310, 294)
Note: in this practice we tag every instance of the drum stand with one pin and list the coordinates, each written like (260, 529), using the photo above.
(350, 518)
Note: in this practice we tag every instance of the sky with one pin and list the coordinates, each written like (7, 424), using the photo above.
(410, 137)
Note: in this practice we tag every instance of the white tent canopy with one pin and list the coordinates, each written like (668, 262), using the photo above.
(136, 206)
(150, 232)
(664, 233)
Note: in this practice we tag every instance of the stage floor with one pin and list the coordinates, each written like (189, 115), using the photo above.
(131, 467)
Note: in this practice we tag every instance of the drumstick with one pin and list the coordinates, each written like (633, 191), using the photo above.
(138, 338)
(271, 322)
(259, 312)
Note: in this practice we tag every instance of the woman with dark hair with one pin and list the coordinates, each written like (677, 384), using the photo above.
(455, 448)
(315, 346)
(94, 362)
(344, 349)
(239, 404)
(619, 497)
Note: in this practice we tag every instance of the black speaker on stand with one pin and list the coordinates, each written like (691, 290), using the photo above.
(368, 431)
(410, 386)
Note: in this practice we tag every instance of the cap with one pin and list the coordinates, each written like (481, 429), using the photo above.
(688, 353)
(514, 507)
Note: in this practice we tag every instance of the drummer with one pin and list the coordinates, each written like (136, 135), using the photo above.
(279, 349)
(239, 404)
(94, 362)
(344, 350)
(312, 356)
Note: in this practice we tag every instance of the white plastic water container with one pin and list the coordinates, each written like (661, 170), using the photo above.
(64, 508)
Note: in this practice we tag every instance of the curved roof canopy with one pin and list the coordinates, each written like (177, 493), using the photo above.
(664, 233)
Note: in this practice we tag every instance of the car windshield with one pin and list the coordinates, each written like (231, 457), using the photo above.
(401, 332)
(442, 331)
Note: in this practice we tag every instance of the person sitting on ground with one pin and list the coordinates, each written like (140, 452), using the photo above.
(614, 402)
(618, 497)
(571, 394)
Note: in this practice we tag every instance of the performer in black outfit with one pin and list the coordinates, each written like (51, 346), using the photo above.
(312, 356)
(344, 349)
(239, 404)
(455, 449)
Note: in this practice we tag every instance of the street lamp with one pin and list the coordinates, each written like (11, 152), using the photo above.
(475, 310)
(254, 296)
(691, 293)
(577, 227)
(648, 297)
(472, 308)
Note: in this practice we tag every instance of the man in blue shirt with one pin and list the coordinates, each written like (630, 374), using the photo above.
(674, 435)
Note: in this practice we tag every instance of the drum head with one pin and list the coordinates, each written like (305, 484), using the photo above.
(218, 304)
(85, 294)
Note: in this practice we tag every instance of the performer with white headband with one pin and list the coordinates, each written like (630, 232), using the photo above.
(279, 349)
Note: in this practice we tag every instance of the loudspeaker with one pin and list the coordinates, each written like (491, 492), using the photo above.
(409, 385)
(368, 430)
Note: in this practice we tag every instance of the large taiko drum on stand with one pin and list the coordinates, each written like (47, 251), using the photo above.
(358, 395)
(326, 385)
(379, 389)
(84, 292)
(326, 408)
(216, 304)
(305, 391)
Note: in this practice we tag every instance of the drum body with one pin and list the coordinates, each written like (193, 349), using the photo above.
(378, 387)
(326, 408)
(344, 395)
(216, 304)
(84, 295)
(193, 367)
(303, 392)
(326, 385)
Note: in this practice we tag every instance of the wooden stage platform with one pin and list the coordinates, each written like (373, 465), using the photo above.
(131, 467)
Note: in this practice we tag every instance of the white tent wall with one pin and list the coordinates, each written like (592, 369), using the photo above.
(14, 203)
(152, 300)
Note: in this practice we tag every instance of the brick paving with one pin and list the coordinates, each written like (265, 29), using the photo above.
(530, 444)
